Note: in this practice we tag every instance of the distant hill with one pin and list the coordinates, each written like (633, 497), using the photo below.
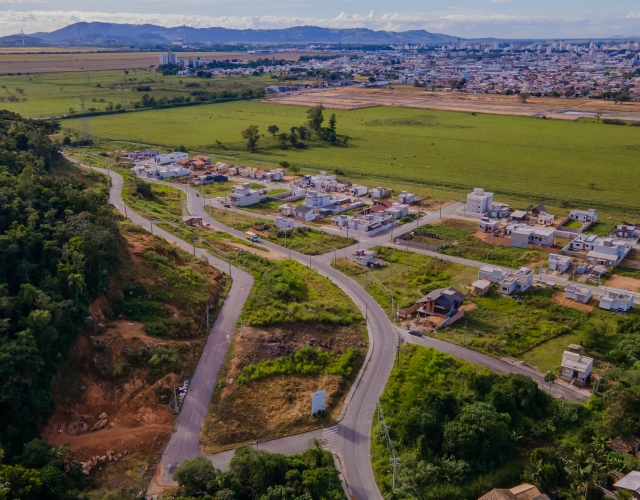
(149, 33)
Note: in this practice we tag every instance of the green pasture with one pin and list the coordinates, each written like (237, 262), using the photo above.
(54, 94)
(582, 164)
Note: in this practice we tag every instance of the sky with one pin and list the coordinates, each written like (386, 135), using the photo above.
(463, 18)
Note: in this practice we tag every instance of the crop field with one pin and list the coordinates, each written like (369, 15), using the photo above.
(56, 94)
(562, 163)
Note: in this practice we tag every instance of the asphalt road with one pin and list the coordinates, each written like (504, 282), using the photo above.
(354, 428)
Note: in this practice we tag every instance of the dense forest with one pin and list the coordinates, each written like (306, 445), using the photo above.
(461, 431)
(57, 248)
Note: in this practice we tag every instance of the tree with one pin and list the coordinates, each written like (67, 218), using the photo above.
(315, 117)
(295, 169)
(76, 280)
(622, 412)
(182, 149)
(284, 164)
(550, 378)
(293, 138)
(332, 122)
(303, 132)
(545, 469)
(523, 96)
(282, 140)
(66, 141)
(251, 134)
(193, 476)
(273, 130)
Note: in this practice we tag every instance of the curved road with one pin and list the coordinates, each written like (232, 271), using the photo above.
(353, 430)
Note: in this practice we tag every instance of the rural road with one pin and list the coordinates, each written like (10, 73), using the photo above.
(353, 430)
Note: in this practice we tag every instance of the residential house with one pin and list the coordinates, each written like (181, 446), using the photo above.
(165, 159)
(479, 202)
(305, 214)
(584, 215)
(316, 199)
(284, 223)
(221, 167)
(233, 170)
(243, 195)
(209, 178)
(523, 236)
(578, 293)
(192, 220)
(366, 258)
(576, 367)
(626, 231)
(397, 210)
(200, 161)
(171, 171)
(631, 483)
(286, 209)
(499, 210)
(378, 192)
(406, 198)
(275, 174)
(488, 225)
(583, 242)
(616, 301)
(609, 251)
(357, 190)
(441, 302)
(520, 492)
(492, 273)
(560, 263)
(370, 224)
(625, 444)
(518, 216)
(480, 287)
(540, 209)
(296, 191)
(520, 281)
(546, 219)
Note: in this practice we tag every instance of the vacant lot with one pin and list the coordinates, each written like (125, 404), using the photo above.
(458, 238)
(578, 163)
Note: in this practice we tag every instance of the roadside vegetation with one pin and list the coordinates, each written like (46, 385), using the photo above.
(299, 333)
(259, 474)
(461, 431)
(152, 201)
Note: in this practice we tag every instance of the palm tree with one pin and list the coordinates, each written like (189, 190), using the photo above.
(535, 472)
(76, 280)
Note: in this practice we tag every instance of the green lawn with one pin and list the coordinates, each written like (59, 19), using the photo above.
(153, 201)
(409, 146)
(573, 224)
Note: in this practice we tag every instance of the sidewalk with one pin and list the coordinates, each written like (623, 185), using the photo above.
(515, 362)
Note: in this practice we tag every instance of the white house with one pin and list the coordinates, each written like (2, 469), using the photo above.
(499, 210)
(520, 281)
(406, 198)
(172, 171)
(357, 190)
(576, 367)
(546, 219)
(316, 199)
(305, 213)
(627, 231)
(170, 158)
(243, 195)
(616, 301)
(296, 190)
(286, 209)
(609, 251)
(578, 293)
(397, 210)
(558, 262)
(491, 273)
(365, 257)
(584, 242)
(584, 215)
(377, 192)
(479, 202)
(284, 223)
(488, 225)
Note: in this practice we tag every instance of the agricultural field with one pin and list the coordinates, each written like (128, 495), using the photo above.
(532, 160)
(56, 94)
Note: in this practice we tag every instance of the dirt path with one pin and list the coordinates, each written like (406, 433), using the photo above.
(559, 298)
(623, 283)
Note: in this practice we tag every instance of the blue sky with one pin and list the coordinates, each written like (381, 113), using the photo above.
(464, 18)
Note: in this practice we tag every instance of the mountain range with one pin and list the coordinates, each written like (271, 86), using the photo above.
(152, 34)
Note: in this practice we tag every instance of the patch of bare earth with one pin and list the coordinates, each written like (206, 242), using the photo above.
(279, 405)
(559, 298)
(624, 282)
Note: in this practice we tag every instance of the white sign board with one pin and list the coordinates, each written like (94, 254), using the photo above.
(318, 400)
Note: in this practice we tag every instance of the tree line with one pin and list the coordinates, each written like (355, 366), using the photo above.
(309, 131)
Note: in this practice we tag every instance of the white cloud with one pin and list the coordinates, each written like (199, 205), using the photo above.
(633, 15)
(500, 1)
(465, 24)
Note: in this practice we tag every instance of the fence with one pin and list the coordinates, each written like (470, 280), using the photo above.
(402, 240)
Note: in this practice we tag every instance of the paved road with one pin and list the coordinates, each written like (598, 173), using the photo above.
(350, 440)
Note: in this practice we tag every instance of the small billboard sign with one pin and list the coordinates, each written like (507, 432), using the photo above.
(318, 400)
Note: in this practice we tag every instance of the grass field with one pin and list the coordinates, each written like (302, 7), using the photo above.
(562, 163)
(54, 94)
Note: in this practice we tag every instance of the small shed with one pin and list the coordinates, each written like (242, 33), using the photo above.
(518, 216)
(480, 287)
(625, 444)
(192, 220)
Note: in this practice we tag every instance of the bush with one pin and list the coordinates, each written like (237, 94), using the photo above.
(612, 121)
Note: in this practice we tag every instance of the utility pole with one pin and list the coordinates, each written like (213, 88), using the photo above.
(464, 338)
(335, 258)
(394, 462)
(309, 261)
(393, 316)
(193, 241)
(125, 211)
(207, 315)
(151, 225)
(229, 265)
(175, 400)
